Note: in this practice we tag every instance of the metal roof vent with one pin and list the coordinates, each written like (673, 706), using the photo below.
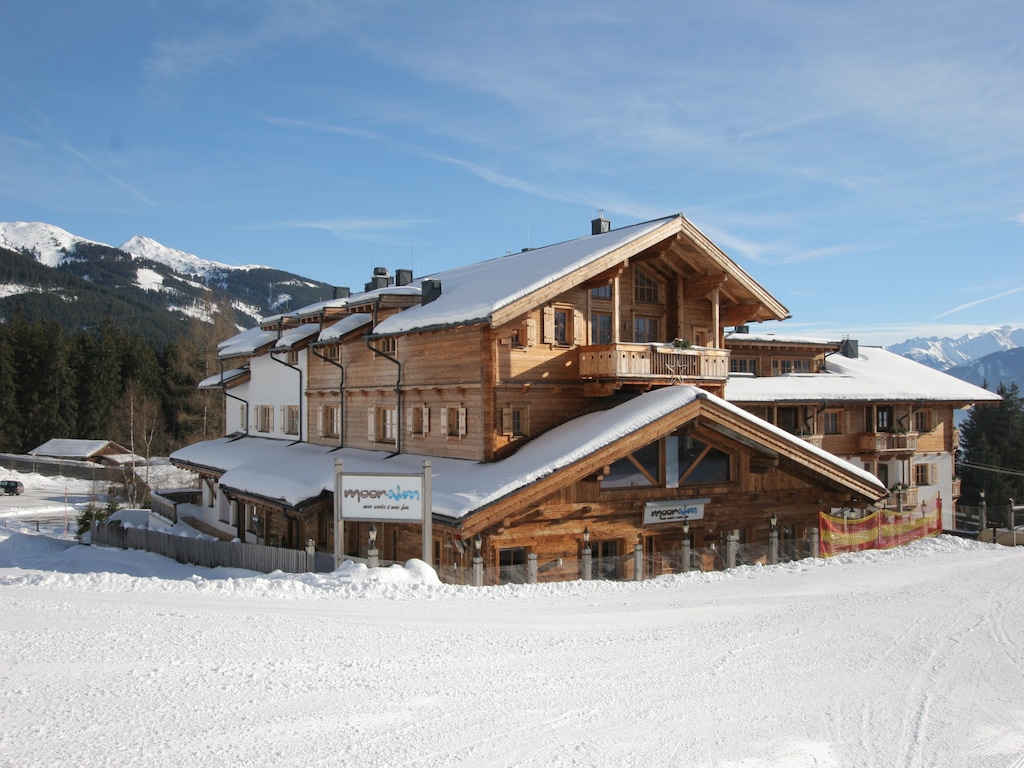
(850, 348)
(342, 292)
(600, 225)
(403, 276)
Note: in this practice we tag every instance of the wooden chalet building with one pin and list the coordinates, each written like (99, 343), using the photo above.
(871, 407)
(577, 388)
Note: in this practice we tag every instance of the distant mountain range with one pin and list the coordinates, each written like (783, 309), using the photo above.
(989, 358)
(49, 273)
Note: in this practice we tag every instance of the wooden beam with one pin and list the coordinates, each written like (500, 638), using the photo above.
(700, 287)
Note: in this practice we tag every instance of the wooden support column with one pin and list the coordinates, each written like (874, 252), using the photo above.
(680, 326)
(716, 298)
(616, 310)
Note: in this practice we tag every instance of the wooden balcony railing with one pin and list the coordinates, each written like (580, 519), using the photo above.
(888, 442)
(905, 499)
(653, 362)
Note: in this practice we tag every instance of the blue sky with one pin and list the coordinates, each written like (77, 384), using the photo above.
(863, 161)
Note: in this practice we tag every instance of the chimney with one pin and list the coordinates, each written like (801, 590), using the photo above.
(342, 292)
(430, 291)
(403, 276)
(600, 225)
(850, 348)
(381, 279)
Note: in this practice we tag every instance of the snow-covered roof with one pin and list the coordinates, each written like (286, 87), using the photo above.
(220, 379)
(294, 336)
(70, 448)
(475, 291)
(246, 342)
(297, 472)
(876, 375)
(345, 325)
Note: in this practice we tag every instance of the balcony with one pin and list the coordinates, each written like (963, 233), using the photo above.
(653, 363)
(888, 442)
(904, 499)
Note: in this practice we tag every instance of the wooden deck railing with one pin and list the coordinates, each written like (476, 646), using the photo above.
(654, 362)
(888, 442)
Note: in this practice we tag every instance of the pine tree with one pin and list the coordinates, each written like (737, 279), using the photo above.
(992, 451)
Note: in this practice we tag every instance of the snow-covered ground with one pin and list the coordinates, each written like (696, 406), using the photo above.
(910, 657)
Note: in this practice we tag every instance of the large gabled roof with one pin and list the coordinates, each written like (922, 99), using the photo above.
(294, 473)
(498, 290)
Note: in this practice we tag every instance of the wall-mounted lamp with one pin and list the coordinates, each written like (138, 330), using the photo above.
(775, 521)
(373, 536)
(586, 537)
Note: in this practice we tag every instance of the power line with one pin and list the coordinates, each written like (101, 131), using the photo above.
(988, 468)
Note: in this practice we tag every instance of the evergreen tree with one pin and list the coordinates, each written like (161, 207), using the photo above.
(992, 451)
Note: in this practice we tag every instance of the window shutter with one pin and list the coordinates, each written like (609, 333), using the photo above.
(370, 431)
(408, 418)
(506, 421)
(444, 420)
(462, 422)
(531, 331)
(549, 325)
(578, 329)
(426, 419)
(933, 474)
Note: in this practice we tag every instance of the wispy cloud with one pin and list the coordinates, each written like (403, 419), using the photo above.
(970, 304)
(48, 134)
(370, 230)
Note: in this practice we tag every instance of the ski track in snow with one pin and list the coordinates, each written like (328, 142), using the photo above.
(900, 658)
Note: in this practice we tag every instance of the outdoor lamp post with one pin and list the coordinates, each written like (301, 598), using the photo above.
(686, 556)
(372, 560)
(478, 562)
(588, 563)
(773, 541)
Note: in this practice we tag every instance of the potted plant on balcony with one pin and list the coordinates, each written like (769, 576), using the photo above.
(681, 344)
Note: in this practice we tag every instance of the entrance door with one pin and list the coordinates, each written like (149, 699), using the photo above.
(606, 559)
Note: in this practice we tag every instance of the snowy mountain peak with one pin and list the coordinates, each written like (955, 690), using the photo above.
(180, 261)
(947, 353)
(50, 245)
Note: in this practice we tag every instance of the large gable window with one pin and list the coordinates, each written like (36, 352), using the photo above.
(646, 290)
(670, 463)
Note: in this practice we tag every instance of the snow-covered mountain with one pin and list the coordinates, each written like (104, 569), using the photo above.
(52, 246)
(149, 276)
(948, 353)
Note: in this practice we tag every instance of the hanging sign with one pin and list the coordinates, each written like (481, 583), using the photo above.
(674, 510)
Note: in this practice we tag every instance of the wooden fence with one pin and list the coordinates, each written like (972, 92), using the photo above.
(205, 553)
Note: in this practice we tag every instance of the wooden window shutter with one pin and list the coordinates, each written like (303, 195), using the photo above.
(408, 417)
(506, 421)
(579, 337)
(462, 422)
(531, 331)
(549, 325)
(371, 432)
(426, 419)
(933, 474)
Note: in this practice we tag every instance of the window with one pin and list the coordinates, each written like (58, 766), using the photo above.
(600, 328)
(926, 474)
(419, 420)
(743, 365)
(332, 351)
(646, 290)
(562, 326)
(515, 421)
(383, 423)
(604, 292)
(833, 422)
(788, 419)
(781, 367)
(291, 419)
(922, 421)
(265, 418)
(387, 345)
(883, 418)
(292, 357)
(646, 329)
(454, 419)
(330, 421)
(882, 473)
